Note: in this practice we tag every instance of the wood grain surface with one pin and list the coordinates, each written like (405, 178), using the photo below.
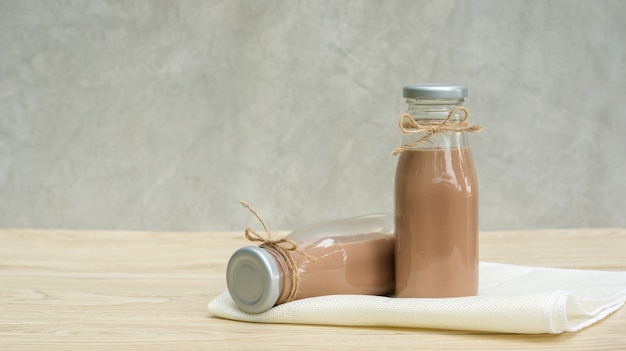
(104, 290)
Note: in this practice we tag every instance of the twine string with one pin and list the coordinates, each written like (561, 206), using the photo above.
(409, 126)
(281, 245)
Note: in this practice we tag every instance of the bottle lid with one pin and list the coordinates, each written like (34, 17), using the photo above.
(435, 91)
(253, 279)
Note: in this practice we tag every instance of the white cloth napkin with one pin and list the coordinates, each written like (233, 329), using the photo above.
(512, 299)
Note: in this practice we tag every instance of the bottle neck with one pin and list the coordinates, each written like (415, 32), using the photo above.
(285, 277)
(422, 110)
(433, 109)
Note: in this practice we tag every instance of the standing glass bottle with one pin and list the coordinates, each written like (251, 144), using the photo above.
(436, 196)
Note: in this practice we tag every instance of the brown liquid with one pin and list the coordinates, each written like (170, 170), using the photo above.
(436, 201)
(353, 264)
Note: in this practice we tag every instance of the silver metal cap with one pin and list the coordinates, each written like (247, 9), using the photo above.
(435, 91)
(253, 279)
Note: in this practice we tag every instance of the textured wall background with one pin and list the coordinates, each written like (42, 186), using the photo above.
(161, 115)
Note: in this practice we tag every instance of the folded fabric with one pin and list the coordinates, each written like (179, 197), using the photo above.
(511, 299)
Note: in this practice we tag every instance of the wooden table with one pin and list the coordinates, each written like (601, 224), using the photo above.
(92, 290)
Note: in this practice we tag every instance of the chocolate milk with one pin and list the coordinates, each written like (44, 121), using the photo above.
(353, 264)
(436, 206)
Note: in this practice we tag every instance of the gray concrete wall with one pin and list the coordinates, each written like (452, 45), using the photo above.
(161, 115)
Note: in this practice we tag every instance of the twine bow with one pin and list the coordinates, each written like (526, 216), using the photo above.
(281, 245)
(410, 126)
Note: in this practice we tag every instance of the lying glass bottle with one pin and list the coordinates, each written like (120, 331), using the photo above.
(346, 256)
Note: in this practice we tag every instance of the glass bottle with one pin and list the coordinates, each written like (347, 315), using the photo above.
(345, 256)
(436, 197)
